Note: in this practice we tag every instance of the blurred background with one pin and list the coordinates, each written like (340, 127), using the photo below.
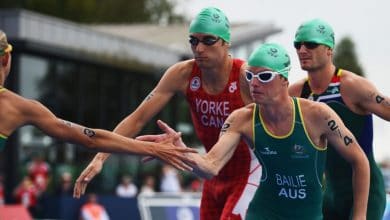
(93, 62)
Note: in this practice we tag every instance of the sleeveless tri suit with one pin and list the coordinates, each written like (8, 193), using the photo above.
(292, 167)
(227, 195)
(338, 199)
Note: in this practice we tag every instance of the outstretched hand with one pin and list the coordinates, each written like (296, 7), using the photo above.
(169, 133)
(85, 177)
(177, 156)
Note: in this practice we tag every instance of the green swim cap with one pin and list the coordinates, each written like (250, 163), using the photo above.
(271, 56)
(211, 21)
(317, 31)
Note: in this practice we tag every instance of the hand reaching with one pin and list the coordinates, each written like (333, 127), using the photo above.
(174, 155)
(86, 176)
(158, 138)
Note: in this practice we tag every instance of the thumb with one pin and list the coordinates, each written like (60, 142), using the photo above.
(151, 138)
(164, 127)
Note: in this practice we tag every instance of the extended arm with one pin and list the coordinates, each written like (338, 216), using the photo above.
(173, 81)
(345, 143)
(209, 165)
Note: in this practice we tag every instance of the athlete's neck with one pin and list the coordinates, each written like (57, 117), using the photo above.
(320, 79)
(215, 79)
(278, 110)
(278, 116)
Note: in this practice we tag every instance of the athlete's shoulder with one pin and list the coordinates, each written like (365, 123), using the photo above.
(177, 76)
(315, 115)
(11, 99)
(353, 86)
(182, 68)
(350, 79)
(18, 109)
(245, 110)
(241, 116)
(295, 88)
(312, 109)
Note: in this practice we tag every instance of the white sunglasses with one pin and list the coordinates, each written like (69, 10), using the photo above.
(264, 77)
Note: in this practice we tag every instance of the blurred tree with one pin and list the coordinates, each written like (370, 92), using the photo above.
(345, 56)
(100, 11)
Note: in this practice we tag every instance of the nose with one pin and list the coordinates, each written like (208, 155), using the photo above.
(302, 50)
(254, 83)
(200, 47)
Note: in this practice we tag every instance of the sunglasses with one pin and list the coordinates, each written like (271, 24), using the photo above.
(264, 77)
(207, 40)
(308, 45)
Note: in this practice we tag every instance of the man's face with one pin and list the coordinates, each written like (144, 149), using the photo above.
(208, 49)
(313, 56)
(264, 84)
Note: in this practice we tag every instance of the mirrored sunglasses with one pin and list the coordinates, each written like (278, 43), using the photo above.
(207, 40)
(308, 45)
(264, 77)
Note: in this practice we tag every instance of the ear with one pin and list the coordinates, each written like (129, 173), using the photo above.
(286, 83)
(329, 52)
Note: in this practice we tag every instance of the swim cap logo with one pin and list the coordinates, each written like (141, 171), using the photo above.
(216, 18)
(195, 83)
(273, 52)
(321, 29)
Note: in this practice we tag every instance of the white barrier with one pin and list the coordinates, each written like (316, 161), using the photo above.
(169, 206)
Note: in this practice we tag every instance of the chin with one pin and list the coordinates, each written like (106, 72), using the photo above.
(257, 98)
(203, 64)
(305, 67)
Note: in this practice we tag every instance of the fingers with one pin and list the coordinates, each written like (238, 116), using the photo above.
(180, 165)
(177, 135)
(186, 167)
(80, 186)
(147, 159)
(151, 138)
(78, 189)
(165, 127)
(82, 182)
(187, 150)
(186, 159)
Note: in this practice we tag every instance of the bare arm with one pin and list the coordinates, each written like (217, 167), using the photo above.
(173, 81)
(346, 145)
(209, 165)
(96, 139)
(364, 96)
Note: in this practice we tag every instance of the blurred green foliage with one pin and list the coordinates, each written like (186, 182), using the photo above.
(345, 56)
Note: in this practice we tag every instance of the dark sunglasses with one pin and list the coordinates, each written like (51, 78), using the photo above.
(207, 40)
(264, 77)
(308, 45)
